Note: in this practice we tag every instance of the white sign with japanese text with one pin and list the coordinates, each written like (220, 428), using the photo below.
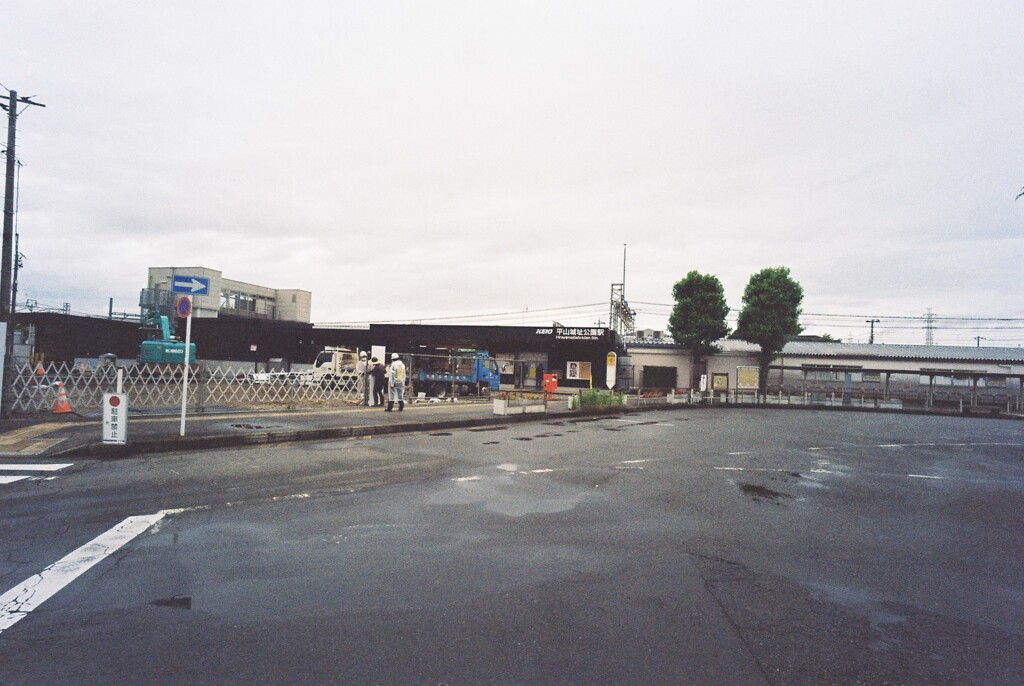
(115, 418)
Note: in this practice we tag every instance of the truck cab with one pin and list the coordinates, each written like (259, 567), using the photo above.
(334, 366)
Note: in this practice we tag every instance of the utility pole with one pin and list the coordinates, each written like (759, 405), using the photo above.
(871, 338)
(5, 263)
(6, 303)
(978, 340)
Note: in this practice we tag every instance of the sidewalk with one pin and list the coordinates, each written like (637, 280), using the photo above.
(47, 436)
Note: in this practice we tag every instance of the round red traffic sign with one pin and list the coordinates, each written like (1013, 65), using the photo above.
(184, 307)
(114, 401)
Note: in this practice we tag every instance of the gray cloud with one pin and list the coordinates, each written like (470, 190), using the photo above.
(427, 159)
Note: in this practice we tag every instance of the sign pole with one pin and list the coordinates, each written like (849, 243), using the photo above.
(185, 305)
(115, 414)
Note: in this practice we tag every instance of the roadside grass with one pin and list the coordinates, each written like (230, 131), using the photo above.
(596, 398)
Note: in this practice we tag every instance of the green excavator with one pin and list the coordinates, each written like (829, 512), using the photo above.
(161, 346)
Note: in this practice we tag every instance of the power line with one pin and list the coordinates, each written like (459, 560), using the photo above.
(513, 313)
(876, 316)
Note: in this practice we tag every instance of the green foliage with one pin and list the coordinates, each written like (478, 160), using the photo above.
(771, 314)
(595, 398)
(698, 316)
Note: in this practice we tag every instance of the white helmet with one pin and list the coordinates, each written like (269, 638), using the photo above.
(394, 356)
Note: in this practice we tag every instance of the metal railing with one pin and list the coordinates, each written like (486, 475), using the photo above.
(909, 400)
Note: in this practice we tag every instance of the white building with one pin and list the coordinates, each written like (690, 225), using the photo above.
(228, 297)
(805, 366)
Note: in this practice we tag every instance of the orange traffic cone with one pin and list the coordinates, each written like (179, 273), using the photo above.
(62, 406)
(39, 369)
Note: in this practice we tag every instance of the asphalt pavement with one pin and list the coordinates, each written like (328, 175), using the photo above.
(74, 434)
(46, 435)
(717, 546)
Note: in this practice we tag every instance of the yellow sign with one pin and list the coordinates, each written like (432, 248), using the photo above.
(746, 378)
(610, 370)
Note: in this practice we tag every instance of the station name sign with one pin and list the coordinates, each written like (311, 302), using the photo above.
(563, 333)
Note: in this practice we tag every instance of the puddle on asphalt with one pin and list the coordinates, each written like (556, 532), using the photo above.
(489, 428)
(522, 438)
(441, 433)
(509, 494)
(762, 493)
(254, 426)
(492, 443)
(862, 603)
(181, 602)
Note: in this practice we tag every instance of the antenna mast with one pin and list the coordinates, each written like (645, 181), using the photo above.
(620, 316)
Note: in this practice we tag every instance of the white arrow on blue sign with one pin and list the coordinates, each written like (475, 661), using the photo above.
(193, 285)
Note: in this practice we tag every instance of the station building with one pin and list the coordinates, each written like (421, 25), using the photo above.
(523, 353)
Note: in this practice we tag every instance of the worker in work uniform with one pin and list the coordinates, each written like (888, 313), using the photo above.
(380, 381)
(396, 382)
(362, 371)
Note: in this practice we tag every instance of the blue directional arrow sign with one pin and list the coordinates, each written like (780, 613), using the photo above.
(192, 285)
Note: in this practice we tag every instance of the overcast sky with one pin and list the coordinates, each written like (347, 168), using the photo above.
(417, 160)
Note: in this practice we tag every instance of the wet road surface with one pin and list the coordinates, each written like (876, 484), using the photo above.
(664, 547)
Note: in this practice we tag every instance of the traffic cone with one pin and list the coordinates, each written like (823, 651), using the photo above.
(62, 406)
(39, 369)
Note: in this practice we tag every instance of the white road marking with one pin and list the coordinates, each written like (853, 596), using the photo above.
(11, 479)
(633, 461)
(753, 469)
(467, 478)
(823, 448)
(923, 476)
(539, 471)
(294, 496)
(945, 445)
(634, 421)
(746, 452)
(34, 467)
(34, 591)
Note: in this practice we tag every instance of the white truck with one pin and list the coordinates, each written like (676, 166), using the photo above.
(335, 367)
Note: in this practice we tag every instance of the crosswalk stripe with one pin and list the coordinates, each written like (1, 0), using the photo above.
(10, 479)
(20, 600)
(21, 467)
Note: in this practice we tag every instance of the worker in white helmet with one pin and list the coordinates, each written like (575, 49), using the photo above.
(396, 382)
